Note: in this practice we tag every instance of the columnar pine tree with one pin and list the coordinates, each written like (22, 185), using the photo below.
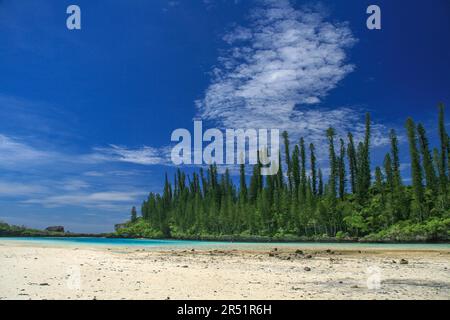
(364, 176)
(341, 170)
(303, 179)
(333, 164)
(443, 158)
(320, 190)
(288, 159)
(416, 170)
(430, 175)
(295, 170)
(210, 204)
(389, 173)
(313, 169)
(378, 180)
(352, 162)
(395, 158)
(133, 214)
(242, 183)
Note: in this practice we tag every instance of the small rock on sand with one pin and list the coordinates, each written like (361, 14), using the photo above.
(307, 269)
(403, 261)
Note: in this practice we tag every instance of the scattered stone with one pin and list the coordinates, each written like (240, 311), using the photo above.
(307, 269)
(308, 256)
(44, 284)
(298, 252)
(403, 261)
(275, 249)
(393, 261)
(271, 254)
(185, 266)
(355, 286)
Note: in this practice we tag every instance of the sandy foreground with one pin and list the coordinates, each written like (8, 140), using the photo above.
(52, 272)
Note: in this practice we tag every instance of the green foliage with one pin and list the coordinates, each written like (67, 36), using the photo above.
(416, 171)
(139, 229)
(431, 230)
(208, 205)
(7, 230)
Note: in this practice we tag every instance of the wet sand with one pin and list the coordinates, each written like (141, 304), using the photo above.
(66, 272)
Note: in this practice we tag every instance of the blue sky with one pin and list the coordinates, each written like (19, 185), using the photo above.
(86, 115)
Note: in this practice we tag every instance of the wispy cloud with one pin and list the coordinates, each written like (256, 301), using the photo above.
(96, 179)
(14, 189)
(277, 71)
(111, 200)
(14, 152)
(144, 156)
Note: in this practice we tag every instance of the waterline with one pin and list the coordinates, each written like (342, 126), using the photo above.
(190, 244)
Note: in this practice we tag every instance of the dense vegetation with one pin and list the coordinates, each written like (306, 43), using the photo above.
(300, 204)
(7, 230)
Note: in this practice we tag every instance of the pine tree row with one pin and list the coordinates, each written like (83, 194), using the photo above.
(299, 202)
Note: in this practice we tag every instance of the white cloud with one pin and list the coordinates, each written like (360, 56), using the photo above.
(144, 156)
(12, 189)
(105, 200)
(277, 69)
(13, 152)
(56, 179)
(74, 185)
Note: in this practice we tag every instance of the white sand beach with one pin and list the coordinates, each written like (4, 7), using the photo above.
(37, 271)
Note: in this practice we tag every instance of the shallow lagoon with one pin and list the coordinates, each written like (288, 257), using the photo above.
(189, 244)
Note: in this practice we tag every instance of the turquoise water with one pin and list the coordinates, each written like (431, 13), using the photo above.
(187, 244)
